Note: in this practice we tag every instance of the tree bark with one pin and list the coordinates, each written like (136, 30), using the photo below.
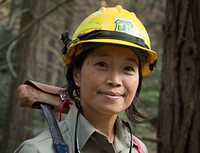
(179, 117)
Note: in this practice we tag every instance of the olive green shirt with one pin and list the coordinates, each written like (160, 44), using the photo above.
(90, 140)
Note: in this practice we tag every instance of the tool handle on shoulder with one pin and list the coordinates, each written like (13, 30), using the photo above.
(58, 141)
(31, 94)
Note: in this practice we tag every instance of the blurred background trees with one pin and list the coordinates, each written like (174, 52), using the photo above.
(30, 49)
(179, 104)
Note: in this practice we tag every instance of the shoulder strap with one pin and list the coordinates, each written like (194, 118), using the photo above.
(138, 146)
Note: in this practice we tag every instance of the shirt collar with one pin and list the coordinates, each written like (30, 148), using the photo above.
(85, 129)
(122, 138)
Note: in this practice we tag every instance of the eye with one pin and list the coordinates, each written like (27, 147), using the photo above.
(129, 69)
(101, 64)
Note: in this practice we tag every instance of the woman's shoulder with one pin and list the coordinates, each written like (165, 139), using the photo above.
(140, 146)
(45, 136)
(41, 143)
(36, 145)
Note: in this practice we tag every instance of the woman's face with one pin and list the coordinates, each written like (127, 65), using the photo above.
(108, 80)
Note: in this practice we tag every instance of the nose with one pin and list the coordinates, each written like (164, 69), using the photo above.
(114, 79)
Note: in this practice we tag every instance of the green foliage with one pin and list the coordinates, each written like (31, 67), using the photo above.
(4, 95)
(5, 36)
(5, 76)
(150, 93)
(5, 33)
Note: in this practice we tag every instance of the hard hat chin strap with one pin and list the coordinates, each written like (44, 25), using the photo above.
(153, 65)
(66, 40)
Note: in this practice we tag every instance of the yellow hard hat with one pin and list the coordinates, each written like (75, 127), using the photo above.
(112, 26)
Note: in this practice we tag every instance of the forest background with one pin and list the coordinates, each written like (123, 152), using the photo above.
(30, 48)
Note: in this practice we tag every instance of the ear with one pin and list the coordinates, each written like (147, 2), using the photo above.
(76, 75)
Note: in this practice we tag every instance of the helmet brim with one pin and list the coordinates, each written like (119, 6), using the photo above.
(150, 59)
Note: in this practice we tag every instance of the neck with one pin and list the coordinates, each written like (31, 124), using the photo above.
(102, 122)
(106, 126)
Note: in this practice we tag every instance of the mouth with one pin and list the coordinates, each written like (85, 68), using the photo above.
(111, 94)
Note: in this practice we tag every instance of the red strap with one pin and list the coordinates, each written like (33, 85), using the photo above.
(138, 146)
(66, 104)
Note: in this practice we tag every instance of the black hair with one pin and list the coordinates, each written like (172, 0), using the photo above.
(77, 62)
(73, 91)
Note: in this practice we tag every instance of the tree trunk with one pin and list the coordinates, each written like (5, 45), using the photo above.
(19, 119)
(179, 115)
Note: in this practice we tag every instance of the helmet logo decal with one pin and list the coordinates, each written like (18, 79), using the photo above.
(124, 25)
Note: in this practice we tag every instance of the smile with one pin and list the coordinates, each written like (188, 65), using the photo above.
(110, 94)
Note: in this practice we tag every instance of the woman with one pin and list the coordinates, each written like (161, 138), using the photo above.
(106, 59)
